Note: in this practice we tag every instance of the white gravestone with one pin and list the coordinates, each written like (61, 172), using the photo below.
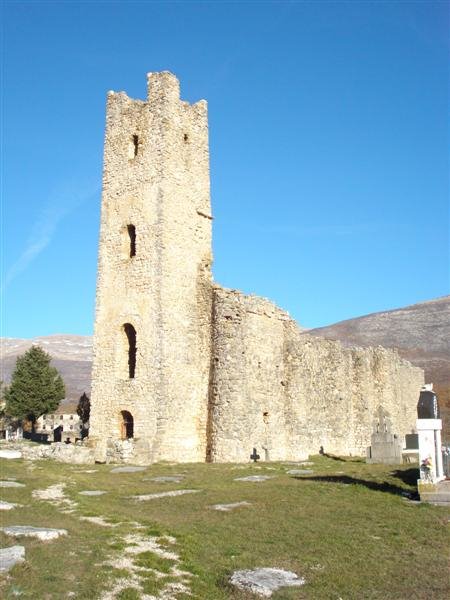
(429, 431)
(429, 427)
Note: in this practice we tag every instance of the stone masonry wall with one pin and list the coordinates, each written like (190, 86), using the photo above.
(287, 393)
(156, 177)
(217, 372)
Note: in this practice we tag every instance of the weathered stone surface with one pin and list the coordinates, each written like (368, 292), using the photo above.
(164, 494)
(99, 521)
(11, 484)
(385, 446)
(254, 478)
(42, 533)
(156, 178)
(300, 472)
(217, 372)
(286, 393)
(8, 505)
(92, 493)
(66, 453)
(265, 581)
(167, 479)
(11, 556)
(10, 454)
(228, 507)
(129, 469)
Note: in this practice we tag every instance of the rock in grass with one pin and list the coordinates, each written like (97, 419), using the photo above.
(92, 493)
(8, 505)
(254, 478)
(11, 484)
(167, 479)
(143, 497)
(265, 581)
(42, 533)
(10, 454)
(228, 507)
(300, 472)
(129, 469)
(10, 557)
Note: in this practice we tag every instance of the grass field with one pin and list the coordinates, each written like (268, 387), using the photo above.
(346, 528)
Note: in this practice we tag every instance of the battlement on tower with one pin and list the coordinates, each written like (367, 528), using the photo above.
(163, 90)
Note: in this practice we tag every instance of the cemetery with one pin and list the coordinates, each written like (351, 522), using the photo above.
(328, 527)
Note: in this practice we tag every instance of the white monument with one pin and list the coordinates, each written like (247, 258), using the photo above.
(429, 427)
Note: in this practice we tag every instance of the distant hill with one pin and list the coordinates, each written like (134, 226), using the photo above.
(71, 355)
(420, 332)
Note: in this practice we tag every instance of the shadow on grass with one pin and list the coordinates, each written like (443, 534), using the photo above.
(345, 459)
(410, 476)
(376, 486)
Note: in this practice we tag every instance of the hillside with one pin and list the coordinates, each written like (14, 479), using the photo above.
(420, 332)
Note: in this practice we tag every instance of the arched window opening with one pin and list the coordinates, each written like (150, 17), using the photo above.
(126, 425)
(132, 235)
(130, 332)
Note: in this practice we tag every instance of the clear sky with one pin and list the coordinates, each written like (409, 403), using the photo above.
(328, 137)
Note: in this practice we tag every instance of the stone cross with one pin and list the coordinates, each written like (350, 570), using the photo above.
(382, 423)
(254, 456)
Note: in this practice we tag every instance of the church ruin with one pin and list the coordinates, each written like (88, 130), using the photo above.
(185, 370)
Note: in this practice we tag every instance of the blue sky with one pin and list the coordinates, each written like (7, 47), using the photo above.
(328, 139)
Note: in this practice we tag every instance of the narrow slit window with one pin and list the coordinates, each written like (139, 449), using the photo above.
(135, 144)
(132, 235)
(130, 332)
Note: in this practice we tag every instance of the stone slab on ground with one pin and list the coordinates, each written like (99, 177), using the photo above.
(254, 478)
(129, 469)
(92, 493)
(99, 521)
(8, 505)
(86, 471)
(265, 581)
(11, 454)
(164, 494)
(10, 557)
(228, 507)
(11, 484)
(300, 472)
(42, 533)
(167, 479)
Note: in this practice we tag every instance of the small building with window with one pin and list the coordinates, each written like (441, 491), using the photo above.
(60, 427)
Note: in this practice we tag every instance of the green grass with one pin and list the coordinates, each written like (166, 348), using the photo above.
(346, 529)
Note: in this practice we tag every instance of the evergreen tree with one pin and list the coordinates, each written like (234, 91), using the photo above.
(84, 412)
(36, 387)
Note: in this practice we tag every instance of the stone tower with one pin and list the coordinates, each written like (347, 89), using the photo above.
(153, 307)
(188, 371)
